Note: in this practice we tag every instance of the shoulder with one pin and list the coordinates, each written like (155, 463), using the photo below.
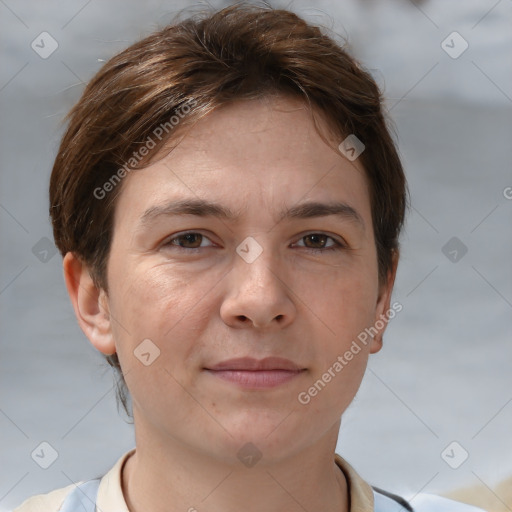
(50, 502)
(106, 489)
(366, 497)
(386, 502)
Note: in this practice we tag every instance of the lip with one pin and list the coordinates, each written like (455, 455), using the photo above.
(251, 364)
(252, 373)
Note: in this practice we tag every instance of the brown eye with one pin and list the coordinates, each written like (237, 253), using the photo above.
(320, 242)
(315, 241)
(188, 240)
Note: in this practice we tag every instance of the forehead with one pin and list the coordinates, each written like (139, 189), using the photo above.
(265, 152)
(272, 126)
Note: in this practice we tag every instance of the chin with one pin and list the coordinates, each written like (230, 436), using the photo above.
(270, 436)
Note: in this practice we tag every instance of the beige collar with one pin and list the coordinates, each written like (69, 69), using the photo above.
(111, 499)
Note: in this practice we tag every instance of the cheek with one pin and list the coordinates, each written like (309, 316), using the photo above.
(346, 302)
(161, 304)
(345, 307)
(345, 310)
(169, 308)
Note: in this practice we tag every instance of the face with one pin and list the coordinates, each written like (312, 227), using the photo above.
(242, 268)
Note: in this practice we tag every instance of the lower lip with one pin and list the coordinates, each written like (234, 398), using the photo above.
(256, 379)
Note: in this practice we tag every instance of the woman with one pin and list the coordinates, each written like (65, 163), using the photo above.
(228, 200)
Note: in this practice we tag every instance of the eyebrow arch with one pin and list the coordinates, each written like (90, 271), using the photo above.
(202, 208)
(317, 209)
(198, 207)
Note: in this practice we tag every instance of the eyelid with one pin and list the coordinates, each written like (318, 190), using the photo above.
(339, 242)
(167, 241)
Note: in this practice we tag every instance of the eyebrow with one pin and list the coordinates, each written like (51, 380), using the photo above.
(317, 209)
(203, 208)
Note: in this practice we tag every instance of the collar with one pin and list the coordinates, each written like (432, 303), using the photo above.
(110, 494)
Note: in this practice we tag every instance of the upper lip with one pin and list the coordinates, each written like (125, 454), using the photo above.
(251, 364)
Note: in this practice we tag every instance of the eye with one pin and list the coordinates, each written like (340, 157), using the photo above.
(320, 242)
(189, 240)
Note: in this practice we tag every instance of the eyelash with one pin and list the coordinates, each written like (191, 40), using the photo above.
(337, 245)
(169, 241)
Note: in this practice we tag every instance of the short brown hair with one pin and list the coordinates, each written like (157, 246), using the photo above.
(240, 52)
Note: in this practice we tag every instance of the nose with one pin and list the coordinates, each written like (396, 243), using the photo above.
(257, 295)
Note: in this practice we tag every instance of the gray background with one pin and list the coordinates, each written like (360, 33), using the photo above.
(445, 372)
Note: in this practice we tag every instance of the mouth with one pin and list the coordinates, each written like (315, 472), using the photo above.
(252, 373)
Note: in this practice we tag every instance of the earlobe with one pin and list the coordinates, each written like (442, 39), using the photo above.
(382, 315)
(90, 304)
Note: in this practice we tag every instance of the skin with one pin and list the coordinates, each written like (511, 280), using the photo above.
(201, 303)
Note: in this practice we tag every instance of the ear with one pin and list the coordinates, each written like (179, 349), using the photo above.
(90, 304)
(382, 311)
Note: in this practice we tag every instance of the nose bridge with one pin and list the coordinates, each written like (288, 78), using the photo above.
(257, 293)
(256, 265)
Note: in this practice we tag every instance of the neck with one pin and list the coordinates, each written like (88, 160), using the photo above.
(174, 477)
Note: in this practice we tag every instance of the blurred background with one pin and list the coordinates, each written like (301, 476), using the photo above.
(435, 409)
